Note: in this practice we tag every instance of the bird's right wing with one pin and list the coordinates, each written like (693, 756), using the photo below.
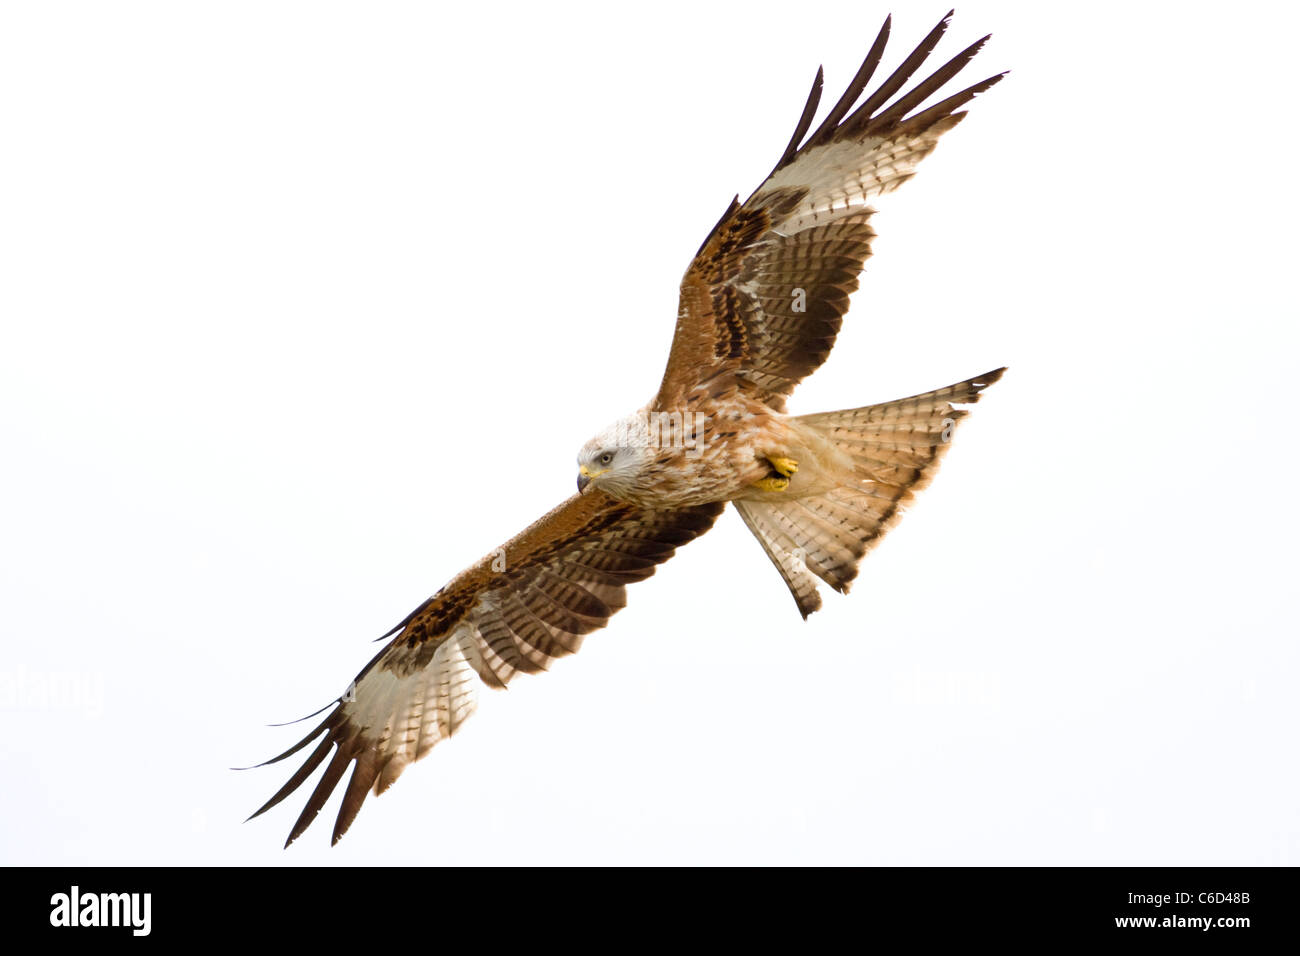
(761, 303)
(520, 608)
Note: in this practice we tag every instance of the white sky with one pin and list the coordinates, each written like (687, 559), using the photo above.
(278, 280)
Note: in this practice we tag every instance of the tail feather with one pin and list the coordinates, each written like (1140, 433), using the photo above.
(783, 552)
(895, 448)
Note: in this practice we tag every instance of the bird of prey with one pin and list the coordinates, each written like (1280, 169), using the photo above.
(761, 304)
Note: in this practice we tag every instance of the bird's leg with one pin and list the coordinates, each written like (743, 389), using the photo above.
(783, 468)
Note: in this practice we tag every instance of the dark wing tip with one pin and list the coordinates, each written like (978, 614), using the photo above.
(299, 720)
(805, 120)
(866, 118)
(363, 777)
(988, 378)
(293, 783)
(324, 788)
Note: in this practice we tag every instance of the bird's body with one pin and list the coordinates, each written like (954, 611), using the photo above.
(761, 304)
(712, 449)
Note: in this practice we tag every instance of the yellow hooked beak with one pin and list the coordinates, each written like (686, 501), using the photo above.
(585, 475)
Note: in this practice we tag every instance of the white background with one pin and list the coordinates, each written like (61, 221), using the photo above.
(307, 306)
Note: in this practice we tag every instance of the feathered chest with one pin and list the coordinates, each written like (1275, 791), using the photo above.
(708, 452)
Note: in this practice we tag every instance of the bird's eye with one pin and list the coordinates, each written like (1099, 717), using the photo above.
(606, 458)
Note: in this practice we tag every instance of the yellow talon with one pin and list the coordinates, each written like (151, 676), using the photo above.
(772, 484)
(786, 466)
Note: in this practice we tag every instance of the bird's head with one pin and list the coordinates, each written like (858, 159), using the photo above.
(615, 459)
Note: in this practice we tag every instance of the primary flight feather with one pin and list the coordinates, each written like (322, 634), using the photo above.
(761, 304)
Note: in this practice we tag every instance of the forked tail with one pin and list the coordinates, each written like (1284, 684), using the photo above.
(895, 448)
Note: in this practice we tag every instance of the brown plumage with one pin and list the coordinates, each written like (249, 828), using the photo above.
(761, 305)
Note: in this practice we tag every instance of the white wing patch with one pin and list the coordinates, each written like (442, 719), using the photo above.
(841, 177)
(402, 709)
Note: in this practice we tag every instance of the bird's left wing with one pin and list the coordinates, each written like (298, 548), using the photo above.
(520, 608)
(762, 301)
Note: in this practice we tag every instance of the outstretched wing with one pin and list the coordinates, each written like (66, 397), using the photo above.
(520, 608)
(763, 299)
